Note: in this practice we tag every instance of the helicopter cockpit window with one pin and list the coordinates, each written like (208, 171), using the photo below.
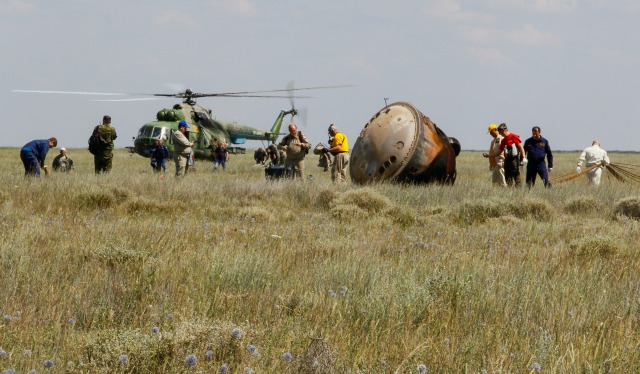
(141, 131)
(200, 116)
(157, 131)
(147, 132)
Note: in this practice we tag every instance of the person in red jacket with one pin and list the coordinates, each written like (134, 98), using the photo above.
(511, 145)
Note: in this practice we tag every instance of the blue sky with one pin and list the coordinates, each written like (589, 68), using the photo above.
(568, 66)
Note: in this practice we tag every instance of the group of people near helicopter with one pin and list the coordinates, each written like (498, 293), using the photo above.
(290, 152)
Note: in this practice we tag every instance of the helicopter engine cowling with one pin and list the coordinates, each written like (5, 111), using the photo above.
(170, 115)
(401, 144)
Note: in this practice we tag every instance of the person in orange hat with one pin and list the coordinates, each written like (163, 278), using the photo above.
(496, 163)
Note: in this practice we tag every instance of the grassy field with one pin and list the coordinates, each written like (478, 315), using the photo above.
(226, 272)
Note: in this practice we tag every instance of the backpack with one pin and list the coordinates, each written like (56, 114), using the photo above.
(95, 143)
(301, 139)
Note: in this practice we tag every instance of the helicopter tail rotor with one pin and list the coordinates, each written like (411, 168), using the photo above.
(301, 113)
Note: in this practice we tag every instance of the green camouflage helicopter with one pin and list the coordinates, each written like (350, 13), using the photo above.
(203, 128)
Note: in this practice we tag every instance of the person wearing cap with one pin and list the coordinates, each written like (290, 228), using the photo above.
(496, 163)
(536, 150)
(511, 145)
(340, 150)
(296, 146)
(104, 157)
(62, 162)
(33, 154)
(592, 156)
(181, 148)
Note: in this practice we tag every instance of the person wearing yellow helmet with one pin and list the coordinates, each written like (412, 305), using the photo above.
(496, 163)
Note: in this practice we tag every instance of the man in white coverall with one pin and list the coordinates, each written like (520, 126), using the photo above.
(593, 155)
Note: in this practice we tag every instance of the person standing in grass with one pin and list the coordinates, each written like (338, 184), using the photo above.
(340, 150)
(104, 157)
(296, 146)
(159, 156)
(221, 155)
(537, 148)
(496, 163)
(181, 149)
(33, 154)
(514, 155)
(593, 155)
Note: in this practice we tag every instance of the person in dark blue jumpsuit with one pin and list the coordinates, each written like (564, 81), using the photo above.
(536, 149)
(34, 153)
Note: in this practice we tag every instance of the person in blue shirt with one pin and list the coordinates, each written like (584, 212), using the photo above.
(159, 156)
(33, 154)
(536, 149)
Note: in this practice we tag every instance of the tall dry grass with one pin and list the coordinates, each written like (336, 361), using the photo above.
(128, 272)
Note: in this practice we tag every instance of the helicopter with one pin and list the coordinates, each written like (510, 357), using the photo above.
(203, 129)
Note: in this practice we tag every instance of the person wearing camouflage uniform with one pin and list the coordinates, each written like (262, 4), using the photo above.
(296, 146)
(103, 159)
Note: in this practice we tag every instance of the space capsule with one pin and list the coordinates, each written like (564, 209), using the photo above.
(401, 144)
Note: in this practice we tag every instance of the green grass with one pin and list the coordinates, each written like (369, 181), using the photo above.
(345, 278)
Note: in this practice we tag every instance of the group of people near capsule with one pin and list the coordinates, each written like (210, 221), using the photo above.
(294, 147)
(507, 153)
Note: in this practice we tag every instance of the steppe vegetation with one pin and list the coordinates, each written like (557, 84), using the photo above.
(227, 272)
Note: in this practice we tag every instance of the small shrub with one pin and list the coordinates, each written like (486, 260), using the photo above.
(628, 207)
(479, 211)
(594, 247)
(114, 255)
(325, 198)
(120, 194)
(140, 205)
(582, 205)
(402, 216)
(3, 197)
(254, 212)
(348, 212)
(364, 198)
(319, 358)
(536, 209)
(97, 200)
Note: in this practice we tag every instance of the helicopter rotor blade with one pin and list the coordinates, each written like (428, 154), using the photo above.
(302, 114)
(132, 99)
(72, 92)
(290, 89)
(239, 93)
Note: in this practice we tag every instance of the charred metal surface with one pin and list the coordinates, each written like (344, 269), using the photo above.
(401, 144)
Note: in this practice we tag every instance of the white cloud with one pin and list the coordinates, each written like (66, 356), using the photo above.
(531, 36)
(174, 17)
(16, 6)
(362, 65)
(607, 55)
(527, 35)
(489, 56)
(543, 6)
(451, 10)
(239, 7)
